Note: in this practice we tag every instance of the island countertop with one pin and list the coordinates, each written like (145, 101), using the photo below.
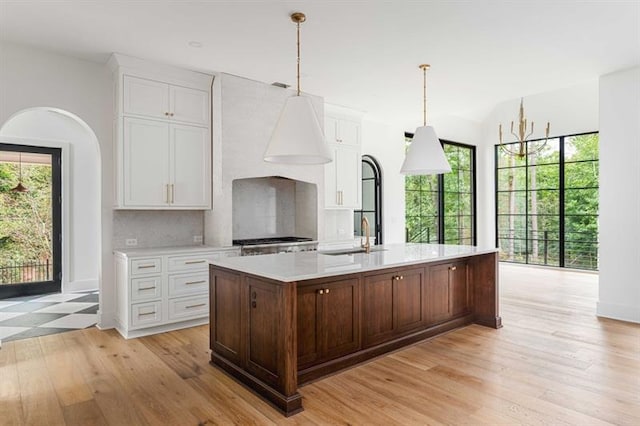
(289, 267)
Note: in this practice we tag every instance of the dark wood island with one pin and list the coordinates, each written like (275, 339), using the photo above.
(280, 321)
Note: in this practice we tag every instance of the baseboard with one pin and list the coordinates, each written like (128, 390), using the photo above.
(618, 312)
(106, 320)
(80, 285)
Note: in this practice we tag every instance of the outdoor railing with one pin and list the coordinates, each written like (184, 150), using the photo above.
(26, 272)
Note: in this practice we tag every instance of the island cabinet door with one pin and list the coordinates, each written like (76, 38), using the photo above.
(225, 303)
(308, 324)
(438, 302)
(341, 318)
(393, 303)
(460, 289)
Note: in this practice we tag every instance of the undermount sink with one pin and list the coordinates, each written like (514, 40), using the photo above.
(353, 250)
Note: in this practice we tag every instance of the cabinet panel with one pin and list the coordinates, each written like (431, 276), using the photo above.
(189, 105)
(348, 170)
(438, 306)
(146, 97)
(330, 129)
(146, 288)
(146, 162)
(349, 132)
(186, 284)
(459, 288)
(264, 330)
(191, 178)
(146, 314)
(341, 318)
(409, 298)
(225, 293)
(188, 307)
(308, 325)
(377, 308)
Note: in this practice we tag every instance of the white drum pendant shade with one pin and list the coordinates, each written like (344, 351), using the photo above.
(297, 138)
(425, 155)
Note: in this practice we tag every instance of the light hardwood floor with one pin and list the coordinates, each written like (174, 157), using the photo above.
(554, 362)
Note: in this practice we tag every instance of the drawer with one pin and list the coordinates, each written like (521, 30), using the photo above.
(192, 262)
(189, 307)
(186, 284)
(146, 288)
(148, 265)
(146, 314)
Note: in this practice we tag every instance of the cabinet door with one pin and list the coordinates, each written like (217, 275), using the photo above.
(341, 318)
(348, 171)
(308, 325)
(459, 289)
(378, 308)
(409, 299)
(331, 130)
(190, 166)
(349, 132)
(264, 331)
(146, 97)
(438, 308)
(146, 163)
(330, 184)
(189, 105)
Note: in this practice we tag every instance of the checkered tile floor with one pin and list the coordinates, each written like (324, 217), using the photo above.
(32, 316)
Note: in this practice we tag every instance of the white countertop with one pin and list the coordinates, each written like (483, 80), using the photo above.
(159, 251)
(288, 267)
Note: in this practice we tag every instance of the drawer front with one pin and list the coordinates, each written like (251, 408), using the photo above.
(186, 284)
(148, 265)
(146, 314)
(198, 262)
(146, 288)
(189, 307)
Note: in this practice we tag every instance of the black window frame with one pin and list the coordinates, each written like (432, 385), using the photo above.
(561, 202)
(441, 194)
(377, 178)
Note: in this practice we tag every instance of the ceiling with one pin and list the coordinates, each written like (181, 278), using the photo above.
(360, 54)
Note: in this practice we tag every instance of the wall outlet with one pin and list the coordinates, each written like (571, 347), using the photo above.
(197, 239)
(131, 242)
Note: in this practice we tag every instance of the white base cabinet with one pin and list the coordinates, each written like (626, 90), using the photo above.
(159, 290)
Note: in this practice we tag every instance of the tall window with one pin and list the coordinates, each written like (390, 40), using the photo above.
(441, 208)
(371, 199)
(547, 203)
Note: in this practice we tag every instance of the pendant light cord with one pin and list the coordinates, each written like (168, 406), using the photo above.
(298, 59)
(424, 96)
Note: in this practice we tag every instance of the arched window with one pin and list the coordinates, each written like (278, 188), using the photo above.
(371, 199)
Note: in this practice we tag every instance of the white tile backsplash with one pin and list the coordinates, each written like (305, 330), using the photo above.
(161, 228)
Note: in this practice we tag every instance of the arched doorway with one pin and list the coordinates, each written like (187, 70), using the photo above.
(82, 225)
(371, 199)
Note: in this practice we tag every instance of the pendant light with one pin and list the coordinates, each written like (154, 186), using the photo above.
(425, 155)
(297, 137)
(20, 187)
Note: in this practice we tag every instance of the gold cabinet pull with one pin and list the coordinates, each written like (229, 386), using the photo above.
(167, 194)
(326, 291)
(192, 262)
(146, 288)
(453, 268)
(170, 114)
(321, 291)
(195, 282)
(195, 306)
(146, 266)
(172, 192)
(141, 314)
(166, 113)
(401, 277)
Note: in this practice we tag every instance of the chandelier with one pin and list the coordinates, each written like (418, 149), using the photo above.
(521, 138)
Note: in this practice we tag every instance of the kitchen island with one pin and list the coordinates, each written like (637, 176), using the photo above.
(279, 321)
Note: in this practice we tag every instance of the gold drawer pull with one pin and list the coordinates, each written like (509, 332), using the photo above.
(195, 306)
(147, 266)
(453, 268)
(192, 262)
(146, 288)
(195, 282)
(146, 313)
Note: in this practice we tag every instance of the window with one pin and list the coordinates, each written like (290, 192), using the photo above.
(371, 199)
(441, 208)
(547, 203)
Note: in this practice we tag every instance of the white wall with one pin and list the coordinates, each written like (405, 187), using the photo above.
(35, 78)
(570, 110)
(620, 195)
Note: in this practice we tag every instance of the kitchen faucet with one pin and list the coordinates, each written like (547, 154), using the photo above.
(365, 229)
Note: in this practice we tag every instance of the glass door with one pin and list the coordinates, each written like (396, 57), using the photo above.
(30, 220)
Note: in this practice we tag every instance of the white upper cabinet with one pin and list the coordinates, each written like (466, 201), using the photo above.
(162, 136)
(343, 174)
(165, 101)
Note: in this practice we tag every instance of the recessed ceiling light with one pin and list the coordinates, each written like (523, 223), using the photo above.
(195, 44)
